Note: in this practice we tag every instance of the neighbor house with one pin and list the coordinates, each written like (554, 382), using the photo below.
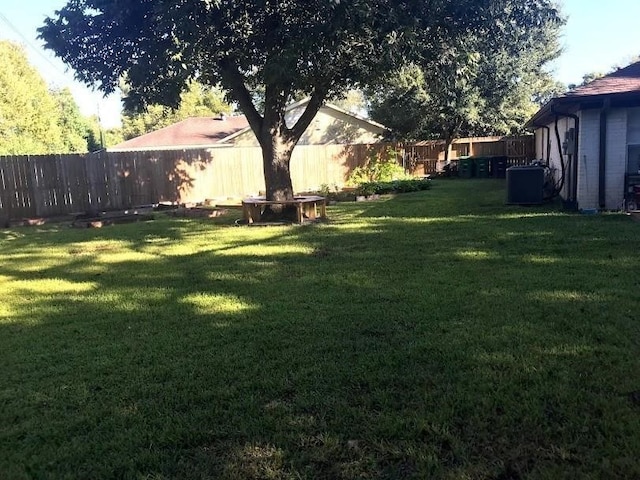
(331, 126)
(590, 139)
(193, 132)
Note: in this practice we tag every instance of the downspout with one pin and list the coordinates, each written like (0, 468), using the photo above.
(573, 195)
(602, 163)
(559, 187)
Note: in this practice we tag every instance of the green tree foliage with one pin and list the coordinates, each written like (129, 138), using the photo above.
(353, 101)
(112, 136)
(95, 134)
(479, 84)
(197, 100)
(76, 133)
(399, 101)
(317, 48)
(590, 77)
(28, 112)
(99, 138)
(35, 120)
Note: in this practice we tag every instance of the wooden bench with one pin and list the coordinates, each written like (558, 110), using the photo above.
(309, 208)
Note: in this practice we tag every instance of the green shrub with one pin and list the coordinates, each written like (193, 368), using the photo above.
(379, 167)
(367, 188)
(395, 186)
(328, 191)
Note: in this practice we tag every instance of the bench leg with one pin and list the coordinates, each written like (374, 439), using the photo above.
(312, 212)
(299, 212)
(251, 212)
(246, 213)
(323, 209)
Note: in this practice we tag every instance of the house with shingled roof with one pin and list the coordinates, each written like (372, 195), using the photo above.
(193, 132)
(331, 126)
(590, 140)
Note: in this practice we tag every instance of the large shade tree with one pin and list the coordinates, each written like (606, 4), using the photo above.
(34, 119)
(76, 130)
(28, 112)
(283, 48)
(486, 82)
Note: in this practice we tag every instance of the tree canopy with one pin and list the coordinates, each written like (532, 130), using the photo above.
(480, 84)
(317, 48)
(34, 119)
(76, 130)
(27, 125)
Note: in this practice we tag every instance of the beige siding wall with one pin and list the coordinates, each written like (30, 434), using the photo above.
(540, 143)
(327, 128)
(588, 155)
(616, 158)
(589, 159)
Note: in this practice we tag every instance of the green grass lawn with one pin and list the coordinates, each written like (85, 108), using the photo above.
(437, 334)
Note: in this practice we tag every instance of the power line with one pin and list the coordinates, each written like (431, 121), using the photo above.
(4, 19)
(29, 44)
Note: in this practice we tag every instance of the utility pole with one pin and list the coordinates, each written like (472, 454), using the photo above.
(100, 127)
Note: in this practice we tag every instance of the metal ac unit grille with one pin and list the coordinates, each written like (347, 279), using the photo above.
(525, 185)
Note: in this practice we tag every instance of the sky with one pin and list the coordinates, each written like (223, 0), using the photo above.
(598, 35)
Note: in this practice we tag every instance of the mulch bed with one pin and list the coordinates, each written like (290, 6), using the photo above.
(111, 219)
(102, 219)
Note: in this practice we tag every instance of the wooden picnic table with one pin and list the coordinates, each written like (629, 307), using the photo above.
(308, 207)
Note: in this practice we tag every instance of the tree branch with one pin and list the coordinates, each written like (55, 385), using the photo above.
(316, 101)
(233, 80)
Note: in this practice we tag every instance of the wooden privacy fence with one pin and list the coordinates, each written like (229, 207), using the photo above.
(428, 156)
(52, 185)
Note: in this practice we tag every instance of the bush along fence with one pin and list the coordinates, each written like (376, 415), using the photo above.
(35, 186)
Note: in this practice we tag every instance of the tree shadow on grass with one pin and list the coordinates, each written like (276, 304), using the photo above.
(395, 348)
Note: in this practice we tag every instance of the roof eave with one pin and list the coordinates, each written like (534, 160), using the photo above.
(532, 123)
(155, 148)
(579, 102)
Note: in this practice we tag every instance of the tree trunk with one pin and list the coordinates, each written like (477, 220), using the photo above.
(276, 139)
(276, 160)
(450, 136)
(447, 150)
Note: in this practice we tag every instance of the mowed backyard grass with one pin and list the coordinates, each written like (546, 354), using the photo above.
(439, 334)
